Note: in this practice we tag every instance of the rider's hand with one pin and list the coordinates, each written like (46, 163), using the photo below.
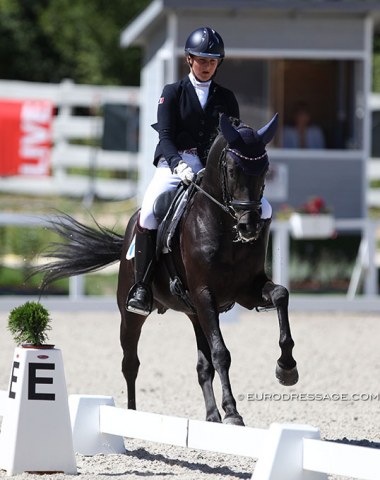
(184, 172)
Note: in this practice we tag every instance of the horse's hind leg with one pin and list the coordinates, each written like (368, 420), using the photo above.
(131, 323)
(286, 368)
(206, 372)
(130, 330)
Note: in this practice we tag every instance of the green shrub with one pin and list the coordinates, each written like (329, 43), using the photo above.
(29, 323)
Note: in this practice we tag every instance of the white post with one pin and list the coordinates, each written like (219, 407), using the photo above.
(85, 424)
(282, 454)
(36, 431)
(371, 281)
(64, 114)
(280, 251)
(76, 287)
(361, 265)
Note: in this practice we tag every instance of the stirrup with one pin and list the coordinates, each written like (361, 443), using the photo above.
(142, 306)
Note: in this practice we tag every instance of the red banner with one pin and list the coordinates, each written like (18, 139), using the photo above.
(25, 137)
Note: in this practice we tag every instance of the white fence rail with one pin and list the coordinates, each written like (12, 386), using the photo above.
(69, 128)
(364, 272)
(284, 451)
(341, 459)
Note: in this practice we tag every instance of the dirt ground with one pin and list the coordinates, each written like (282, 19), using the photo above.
(338, 390)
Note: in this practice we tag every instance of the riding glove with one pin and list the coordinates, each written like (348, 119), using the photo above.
(184, 172)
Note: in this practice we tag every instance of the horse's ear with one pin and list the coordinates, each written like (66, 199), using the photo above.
(229, 132)
(268, 132)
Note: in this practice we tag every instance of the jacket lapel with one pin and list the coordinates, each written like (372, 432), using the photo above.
(211, 93)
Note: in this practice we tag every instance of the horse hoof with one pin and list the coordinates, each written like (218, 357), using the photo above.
(216, 418)
(287, 377)
(236, 420)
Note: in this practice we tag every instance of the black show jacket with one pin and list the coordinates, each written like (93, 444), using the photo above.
(184, 124)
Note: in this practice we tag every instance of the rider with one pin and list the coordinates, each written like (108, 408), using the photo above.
(188, 115)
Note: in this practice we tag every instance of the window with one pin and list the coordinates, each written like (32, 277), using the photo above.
(328, 88)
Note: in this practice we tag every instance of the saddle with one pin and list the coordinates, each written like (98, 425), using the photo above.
(168, 211)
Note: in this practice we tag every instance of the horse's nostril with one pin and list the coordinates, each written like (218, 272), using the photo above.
(246, 228)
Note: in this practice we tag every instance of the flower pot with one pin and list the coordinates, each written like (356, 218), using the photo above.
(312, 226)
(45, 346)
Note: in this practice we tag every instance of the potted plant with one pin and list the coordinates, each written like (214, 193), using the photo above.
(29, 324)
(312, 220)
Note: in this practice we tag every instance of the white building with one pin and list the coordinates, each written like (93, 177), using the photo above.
(277, 54)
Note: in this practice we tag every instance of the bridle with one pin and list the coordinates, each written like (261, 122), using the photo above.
(236, 205)
(229, 205)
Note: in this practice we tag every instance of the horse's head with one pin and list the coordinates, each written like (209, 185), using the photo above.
(244, 164)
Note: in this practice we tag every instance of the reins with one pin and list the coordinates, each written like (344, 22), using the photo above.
(210, 197)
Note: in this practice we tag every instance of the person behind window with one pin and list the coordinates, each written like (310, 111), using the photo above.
(303, 133)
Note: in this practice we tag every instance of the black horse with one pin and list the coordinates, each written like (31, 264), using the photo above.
(218, 251)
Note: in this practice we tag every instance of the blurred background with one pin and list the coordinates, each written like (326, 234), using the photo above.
(79, 85)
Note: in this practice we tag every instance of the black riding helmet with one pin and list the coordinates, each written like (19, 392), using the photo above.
(205, 42)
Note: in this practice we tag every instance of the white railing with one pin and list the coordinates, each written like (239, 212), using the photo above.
(365, 269)
(69, 128)
(364, 272)
(373, 174)
(373, 170)
(286, 451)
(283, 451)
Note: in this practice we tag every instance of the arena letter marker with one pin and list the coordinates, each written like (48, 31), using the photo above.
(36, 431)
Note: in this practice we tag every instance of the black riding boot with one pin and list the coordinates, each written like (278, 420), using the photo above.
(140, 296)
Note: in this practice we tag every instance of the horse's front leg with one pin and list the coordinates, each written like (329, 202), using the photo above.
(206, 372)
(286, 368)
(220, 356)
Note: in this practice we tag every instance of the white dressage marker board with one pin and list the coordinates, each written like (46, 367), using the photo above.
(36, 432)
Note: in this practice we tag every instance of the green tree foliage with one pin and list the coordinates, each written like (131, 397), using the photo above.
(48, 40)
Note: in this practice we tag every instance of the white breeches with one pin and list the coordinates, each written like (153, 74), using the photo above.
(164, 180)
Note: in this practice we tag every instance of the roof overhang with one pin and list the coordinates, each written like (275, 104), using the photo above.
(136, 32)
(326, 5)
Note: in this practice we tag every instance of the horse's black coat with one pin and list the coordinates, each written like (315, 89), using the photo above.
(220, 257)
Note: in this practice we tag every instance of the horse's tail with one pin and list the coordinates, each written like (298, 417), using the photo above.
(84, 250)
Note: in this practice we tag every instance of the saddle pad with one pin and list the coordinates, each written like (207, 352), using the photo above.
(131, 249)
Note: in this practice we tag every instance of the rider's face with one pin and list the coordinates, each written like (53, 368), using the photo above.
(203, 68)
